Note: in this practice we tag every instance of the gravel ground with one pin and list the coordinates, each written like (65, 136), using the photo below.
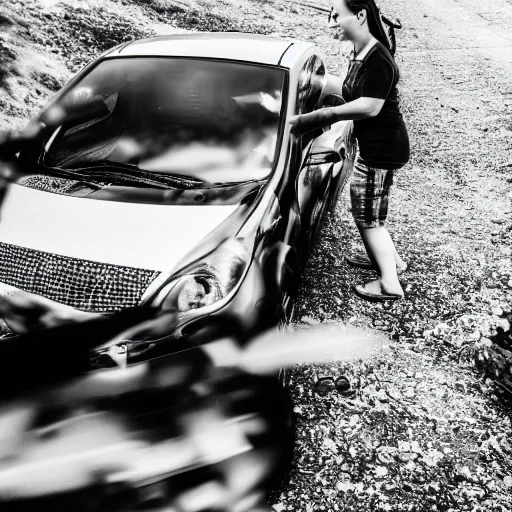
(423, 430)
(423, 426)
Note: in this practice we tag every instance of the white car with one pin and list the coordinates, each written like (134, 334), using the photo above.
(182, 186)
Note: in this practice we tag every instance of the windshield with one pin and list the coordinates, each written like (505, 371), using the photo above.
(210, 120)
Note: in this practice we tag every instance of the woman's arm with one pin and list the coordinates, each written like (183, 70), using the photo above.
(361, 108)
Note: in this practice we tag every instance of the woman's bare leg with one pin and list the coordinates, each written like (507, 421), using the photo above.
(400, 263)
(381, 250)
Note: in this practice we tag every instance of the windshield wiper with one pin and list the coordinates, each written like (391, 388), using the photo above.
(117, 173)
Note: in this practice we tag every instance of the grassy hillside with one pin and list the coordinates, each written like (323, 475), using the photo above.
(44, 42)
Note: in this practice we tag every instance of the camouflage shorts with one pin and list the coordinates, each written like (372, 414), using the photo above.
(369, 194)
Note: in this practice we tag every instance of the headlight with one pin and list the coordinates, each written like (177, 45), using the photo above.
(208, 280)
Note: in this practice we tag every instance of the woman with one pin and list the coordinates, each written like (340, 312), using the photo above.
(369, 91)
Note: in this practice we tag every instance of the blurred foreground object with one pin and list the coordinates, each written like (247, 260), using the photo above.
(204, 429)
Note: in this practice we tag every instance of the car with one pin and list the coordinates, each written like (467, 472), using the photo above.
(180, 186)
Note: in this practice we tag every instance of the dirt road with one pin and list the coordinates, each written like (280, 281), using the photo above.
(451, 220)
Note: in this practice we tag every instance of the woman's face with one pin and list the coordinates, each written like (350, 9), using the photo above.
(346, 20)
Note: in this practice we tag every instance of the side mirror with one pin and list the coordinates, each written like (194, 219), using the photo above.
(332, 100)
(331, 92)
(320, 155)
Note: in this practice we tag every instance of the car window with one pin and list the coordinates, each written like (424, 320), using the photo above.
(212, 120)
(310, 84)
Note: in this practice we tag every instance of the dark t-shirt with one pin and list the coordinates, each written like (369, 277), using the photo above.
(383, 139)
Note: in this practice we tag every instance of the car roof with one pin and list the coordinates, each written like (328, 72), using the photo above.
(255, 48)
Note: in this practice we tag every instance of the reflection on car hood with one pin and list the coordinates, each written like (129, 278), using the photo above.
(146, 236)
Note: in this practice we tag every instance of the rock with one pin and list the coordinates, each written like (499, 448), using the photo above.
(386, 454)
(460, 386)
(409, 393)
(484, 343)
(505, 446)
(407, 456)
(475, 335)
(404, 446)
(503, 324)
(429, 461)
(381, 471)
(507, 482)
(344, 486)
(433, 487)
(354, 420)
(463, 473)
(440, 329)
(329, 444)
(497, 311)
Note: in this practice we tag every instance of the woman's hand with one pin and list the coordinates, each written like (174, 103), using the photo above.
(313, 120)
(297, 123)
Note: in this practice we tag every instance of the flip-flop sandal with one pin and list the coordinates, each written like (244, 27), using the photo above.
(358, 289)
(362, 261)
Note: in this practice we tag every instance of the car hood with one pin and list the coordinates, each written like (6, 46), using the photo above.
(145, 236)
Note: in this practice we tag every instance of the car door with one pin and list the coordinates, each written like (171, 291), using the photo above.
(314, 175)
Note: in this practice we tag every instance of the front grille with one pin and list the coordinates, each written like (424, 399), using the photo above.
(82, 284)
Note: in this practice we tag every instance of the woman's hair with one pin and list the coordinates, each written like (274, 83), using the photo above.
(374, 19)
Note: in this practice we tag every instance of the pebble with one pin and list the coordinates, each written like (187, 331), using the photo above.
(344, 486)
(503, 324)
(433, 487)
(407, 456)
(386, 456)
(410, 466)
(404, 446)
(441, 328)
(409, 393)
(475, 335)
(463, 473)
(507, 481)
(460, 386)
(381, 471)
